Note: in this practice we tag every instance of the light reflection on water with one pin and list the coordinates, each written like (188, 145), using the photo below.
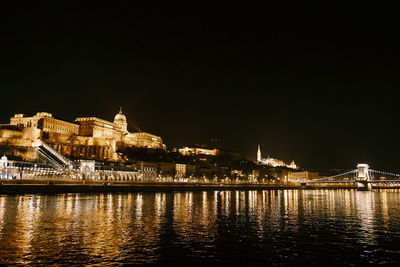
(240, 227)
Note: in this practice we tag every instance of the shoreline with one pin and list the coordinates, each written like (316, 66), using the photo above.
(70, 186)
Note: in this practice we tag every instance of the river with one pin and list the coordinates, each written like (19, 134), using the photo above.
(216, 227)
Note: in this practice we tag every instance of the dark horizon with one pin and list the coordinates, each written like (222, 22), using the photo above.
(320, 92)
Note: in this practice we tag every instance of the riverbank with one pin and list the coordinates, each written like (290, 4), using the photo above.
(73, 186)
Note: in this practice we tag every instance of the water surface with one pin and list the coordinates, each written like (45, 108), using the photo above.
(221, 227)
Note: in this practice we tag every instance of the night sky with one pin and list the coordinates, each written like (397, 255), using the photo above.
(316, 84)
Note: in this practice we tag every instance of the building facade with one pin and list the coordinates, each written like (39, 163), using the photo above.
(87, 137)
(302, 176)
(187, 151)
(45, 122)
(274, 162)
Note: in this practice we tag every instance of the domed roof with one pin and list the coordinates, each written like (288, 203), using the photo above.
(120, 117)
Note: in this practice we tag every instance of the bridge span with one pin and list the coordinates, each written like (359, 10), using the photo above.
(362, 176)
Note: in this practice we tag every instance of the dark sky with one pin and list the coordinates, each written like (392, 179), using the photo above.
(316, 84)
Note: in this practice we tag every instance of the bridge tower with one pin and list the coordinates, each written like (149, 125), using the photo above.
(363, 178)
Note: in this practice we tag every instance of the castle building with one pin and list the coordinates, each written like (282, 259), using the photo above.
(45, 122)
(87, 137)
(274, 162)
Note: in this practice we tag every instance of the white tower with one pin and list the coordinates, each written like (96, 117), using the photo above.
(363, 174)
(363, 178)
(3, 162)
(259, 158)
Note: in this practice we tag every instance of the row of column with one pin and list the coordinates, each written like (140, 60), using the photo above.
(79, 151)
(117, 176)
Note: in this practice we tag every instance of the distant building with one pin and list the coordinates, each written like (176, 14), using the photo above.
(180, 170)
(204, 151)
(198, 151)
(302, 176)
(148, 170)
(274, 162)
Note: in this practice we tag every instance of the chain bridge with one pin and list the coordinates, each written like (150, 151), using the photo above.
(362, 176)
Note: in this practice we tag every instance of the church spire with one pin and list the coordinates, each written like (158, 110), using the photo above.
(259, 153)
(120, 109)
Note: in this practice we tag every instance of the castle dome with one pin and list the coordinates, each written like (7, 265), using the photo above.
(120, 117)
(120, 120)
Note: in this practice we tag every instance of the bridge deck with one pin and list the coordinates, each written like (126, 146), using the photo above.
(351, 181)
(384, 181)
(322, 182)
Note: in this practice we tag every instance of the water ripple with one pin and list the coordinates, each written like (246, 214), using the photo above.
(226, 227)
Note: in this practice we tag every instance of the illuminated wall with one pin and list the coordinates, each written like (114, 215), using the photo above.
(198, 151)
(93, 138)
(45, 122)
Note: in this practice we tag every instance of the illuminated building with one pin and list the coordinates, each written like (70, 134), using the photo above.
(274, 162)
(180, 170)
(97, 128)
(292, 165)
(148, 170)
(88, 137)
(209, 152)
(198, 151)
(45, 122)
(142, 140)
(3, 162)
(120, 121)
(302, 176)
